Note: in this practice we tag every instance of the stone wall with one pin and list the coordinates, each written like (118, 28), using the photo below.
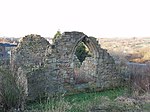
(50, 68)
(33, 68)
(86, 72)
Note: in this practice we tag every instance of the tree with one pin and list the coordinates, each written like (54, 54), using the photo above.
(82, 52)
(57, 35)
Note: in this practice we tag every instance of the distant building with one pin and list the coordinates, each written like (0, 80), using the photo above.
(5, 51)
(2, 51)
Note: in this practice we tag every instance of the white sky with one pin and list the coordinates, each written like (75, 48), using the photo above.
(99, 18)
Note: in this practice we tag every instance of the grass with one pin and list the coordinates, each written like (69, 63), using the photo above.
(11, 94)
(74, 103)
(146, 106)
(112, 94)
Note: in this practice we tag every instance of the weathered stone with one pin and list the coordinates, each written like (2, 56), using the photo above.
(49, 68)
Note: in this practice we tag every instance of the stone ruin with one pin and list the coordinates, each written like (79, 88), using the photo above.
(44, 68)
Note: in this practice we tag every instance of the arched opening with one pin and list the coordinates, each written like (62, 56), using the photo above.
(82, 51)
(84, 61)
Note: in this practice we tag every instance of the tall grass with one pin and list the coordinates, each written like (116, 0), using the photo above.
(106, 101)
(140, 79)
(10, 93)
(81, 102)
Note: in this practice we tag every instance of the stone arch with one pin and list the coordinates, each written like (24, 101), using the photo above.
(93, 47)
(89, 43)
(87, 72)
(65, 47)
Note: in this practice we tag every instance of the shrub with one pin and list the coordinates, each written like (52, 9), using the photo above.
(11, 95)
(140, 79)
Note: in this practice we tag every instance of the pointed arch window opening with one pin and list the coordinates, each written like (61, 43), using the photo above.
(84, 62)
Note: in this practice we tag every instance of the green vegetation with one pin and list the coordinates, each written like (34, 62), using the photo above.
(75, 103)
(57, 35)
(82, 52)
(146, 106)
(106, 101)
(11, 95)
(112, 94)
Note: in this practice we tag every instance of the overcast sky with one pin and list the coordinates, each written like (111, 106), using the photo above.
(99, 18)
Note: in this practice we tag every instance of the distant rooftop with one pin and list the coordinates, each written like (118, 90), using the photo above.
(8, 44)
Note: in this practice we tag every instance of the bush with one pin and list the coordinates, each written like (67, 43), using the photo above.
(82, 52)
(140, 79)
(11, 95)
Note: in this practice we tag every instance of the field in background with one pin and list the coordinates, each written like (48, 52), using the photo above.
(128, 49)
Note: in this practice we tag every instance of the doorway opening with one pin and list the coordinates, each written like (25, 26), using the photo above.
(84, 64)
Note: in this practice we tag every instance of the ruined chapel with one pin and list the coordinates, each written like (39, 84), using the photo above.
(44, 68)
